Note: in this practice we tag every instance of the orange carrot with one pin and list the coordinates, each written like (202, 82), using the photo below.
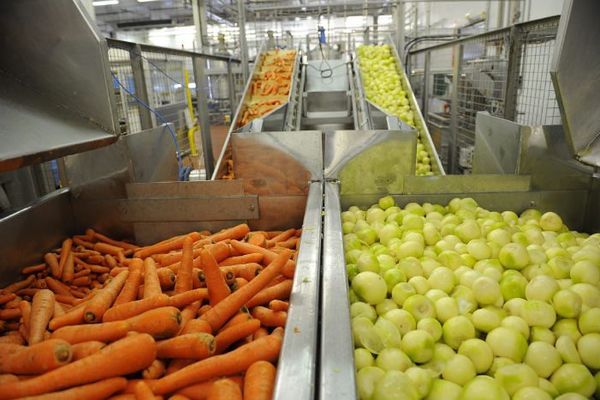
(72, 317)
(130, 288)
(10, 313)
(231, 363)
(68, 268)
(5, 298)
(220, 313)
(57, 287)
(64, 253)
(199, 391)
(84, 349)
(81, 273)
(81, 281)
(133, 308)
(198, 278)
(246, 271)
(93, 391)
(123, 357)
(278, 305)
(97, 269)
(165, 246)
(257, 239)
(269, 317)
(239, 282)
(6, 378)
(238, 319)
(179, 397)
(161, 323)
(183, 299)
(179, 363)
(33, 269)
(81, 242)
(117, 270)
(184, 273)
(156, 370)
(151, 282)
(101, 302)
(12, 337)
(35, 359)
(236, 232)
(15, 287)
(118, 243)
(166, 277)
(42, 309)
(260, 332)
(142, 391)
(110, 261)
(217, 288)
(106, 248)
(196, 326)
(291, 243)
(192, 345)
(204, 309)
(58, 309)
(228, 336)
(281, 291)
(224, 389)
(244, 259)
(281, 237)
(66, 299)
(269, 256)
(259, 381)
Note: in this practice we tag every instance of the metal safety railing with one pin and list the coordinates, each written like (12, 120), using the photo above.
(156, 84)
(504, 72)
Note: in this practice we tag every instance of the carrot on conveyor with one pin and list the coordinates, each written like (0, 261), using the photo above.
(72, 317)
(199, 391)
(224, 389)
(244, 259)
(106, 248)
(156, 370)
(10, 313)
(268, 317)
(97, 306)
(189, 313)
(192, 345)
(103, 238)
(229, 336)
(257, 239)
(215, 282)
(269, 256)
(84, 349)
(68, 268)
(34, 359)
(93, 391)
(130, 288)
(231, 363)
(5, 298)
(123, 357)
(57, 286)
(246, 271)
(42, 309)
(33, 269)
(142, 391)
(260, 332)
(259, 381)
(183, 299)
(280, 291)
(15, 287)
(151, 282)
(184, 272)
(196, 326)
(164, 246)
(133, 308)
(166, 277)
(25, 308)
(283, 236)
(278, 305)
(220, 313)
(65, 250)
(236, 232)
(237, 319)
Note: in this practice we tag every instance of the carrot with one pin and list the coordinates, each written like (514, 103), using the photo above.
(278, 305)
(165, 246)
(247, 271)
(217, 288)
(281, 237)
(269, 256)
(231, 363)
(33, 269)
(64, 253)
(189, 313)
(183, 299)
(14, 303)
(15, 287)
(117, 270)
(260, 332)
(244, 259)
(68, 268)
(93, 391)
(269, 317)
(257, 239)
(236, 232)
(179, 363)
(118, 243)
(11, 313)
(5, 298)
(199, 391)
(179, 397)
(6, 378)
(161, 323)
(84, 349)
(81, 273)
(110, 261)
(291, 243)
(204, 309)
(81, 281)
(195, 326)
(72, 317)
(66, 299)
(259, 381)
(198, 278)
(130, 288)
(42, 309)
(220, 313)
(57, 287)
(97, 269)
(35, 359)
(238, 319)
(25, 308)
(192, 345)
(81, 241)
(133, 308)
(228, 336)
(98, 305)
(106, 248)
(123, 357)
(184, 272)
(279, 291)
(224, 389)
(166, 277)
(156, 370)
(12, 337)
(151, 282)
(58, 309)
(142, 391)
(238, 283)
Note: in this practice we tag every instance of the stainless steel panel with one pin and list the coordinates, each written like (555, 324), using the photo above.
(209, 208)
(153, 155)
(57, 90)
(326, 75)
(184, 189)
(277, 162)
(296, 369)
(279, 212)
(466, 184)
(575, 77)
(336, 360)
(370, 161)
(27, 234)
(498, 145)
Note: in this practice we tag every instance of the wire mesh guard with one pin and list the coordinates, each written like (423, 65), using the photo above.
(127, 107)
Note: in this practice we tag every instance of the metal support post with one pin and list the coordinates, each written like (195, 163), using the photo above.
(199, 14)
(231, 85)
(513, 73)
(452, 153)
(400, 22)
(426, 78)
(243, 43)
(203, 116)
(139, 81)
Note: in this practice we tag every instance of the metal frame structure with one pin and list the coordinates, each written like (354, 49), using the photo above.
(504, 72)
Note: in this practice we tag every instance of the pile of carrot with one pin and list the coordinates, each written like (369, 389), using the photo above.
(196, 316)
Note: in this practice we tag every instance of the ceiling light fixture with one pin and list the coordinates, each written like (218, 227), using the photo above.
(145, 1)
(105, 3)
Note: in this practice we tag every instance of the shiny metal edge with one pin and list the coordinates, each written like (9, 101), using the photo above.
(296, 371)
(336, 375)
